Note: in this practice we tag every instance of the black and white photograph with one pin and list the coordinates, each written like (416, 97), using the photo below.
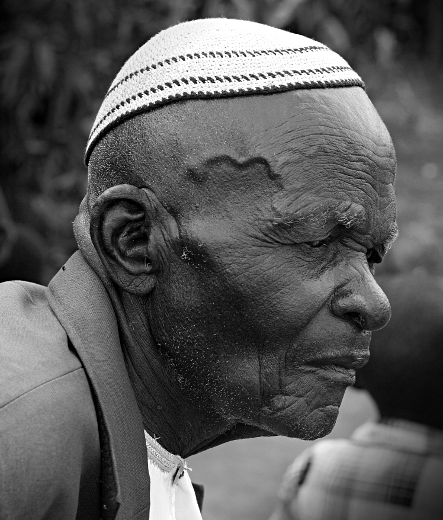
(221, 260)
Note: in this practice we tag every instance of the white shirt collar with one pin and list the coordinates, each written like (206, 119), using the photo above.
(172, 496)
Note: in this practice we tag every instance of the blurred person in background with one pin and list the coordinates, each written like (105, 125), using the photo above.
(240, 191)
(392, 468)
(21, 249)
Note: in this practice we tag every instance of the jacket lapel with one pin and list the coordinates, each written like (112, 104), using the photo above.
(81, 303)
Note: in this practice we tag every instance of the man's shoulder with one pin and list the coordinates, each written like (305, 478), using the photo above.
(50, 448)
(34, 348)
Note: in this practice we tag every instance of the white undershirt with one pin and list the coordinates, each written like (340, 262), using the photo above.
(172, 496)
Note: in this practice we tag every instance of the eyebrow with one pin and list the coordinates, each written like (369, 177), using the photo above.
(348, 215)
(333, 213)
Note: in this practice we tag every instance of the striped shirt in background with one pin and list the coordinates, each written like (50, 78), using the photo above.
(391, 470)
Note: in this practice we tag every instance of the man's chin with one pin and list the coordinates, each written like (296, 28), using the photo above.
(316, 424)
(307, 407)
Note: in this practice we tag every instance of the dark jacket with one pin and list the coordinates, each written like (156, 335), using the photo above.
(71, 435)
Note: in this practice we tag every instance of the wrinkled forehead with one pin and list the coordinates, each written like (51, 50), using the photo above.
(305, 155)
(337, 165)
(299, 131)
(333, 146)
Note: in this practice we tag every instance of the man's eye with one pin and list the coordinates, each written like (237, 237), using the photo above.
(319, 243)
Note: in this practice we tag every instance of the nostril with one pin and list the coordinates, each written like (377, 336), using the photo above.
(349, 308)
(363, 304)
(356, 318)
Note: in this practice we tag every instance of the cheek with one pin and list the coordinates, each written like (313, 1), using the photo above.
(281, 294)
(195, 321)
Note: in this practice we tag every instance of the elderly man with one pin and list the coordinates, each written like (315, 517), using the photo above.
(240, 192)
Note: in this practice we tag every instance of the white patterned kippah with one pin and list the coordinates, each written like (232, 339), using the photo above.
(217, 57)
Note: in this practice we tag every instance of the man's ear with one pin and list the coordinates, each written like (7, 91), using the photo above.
(133, 235)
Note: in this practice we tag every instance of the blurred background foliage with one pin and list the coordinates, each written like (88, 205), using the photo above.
(59, 56)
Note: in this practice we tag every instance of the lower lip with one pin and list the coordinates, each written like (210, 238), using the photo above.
(338, 373)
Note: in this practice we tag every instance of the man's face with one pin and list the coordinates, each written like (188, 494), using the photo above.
(285, 203)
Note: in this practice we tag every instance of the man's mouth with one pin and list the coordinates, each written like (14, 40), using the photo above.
(341, 368)
(351, 361)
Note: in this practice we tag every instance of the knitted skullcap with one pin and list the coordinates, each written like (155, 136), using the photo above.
(214, 58)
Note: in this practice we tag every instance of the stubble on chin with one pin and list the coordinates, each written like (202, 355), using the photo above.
(306, 409)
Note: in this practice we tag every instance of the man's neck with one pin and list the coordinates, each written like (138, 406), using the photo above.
(168, 415)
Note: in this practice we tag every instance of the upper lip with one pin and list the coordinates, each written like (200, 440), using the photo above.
(349, 361)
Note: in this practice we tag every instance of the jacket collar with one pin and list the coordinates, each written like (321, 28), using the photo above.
(81, 303)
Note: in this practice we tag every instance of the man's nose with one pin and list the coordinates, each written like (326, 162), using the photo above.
(363, 303)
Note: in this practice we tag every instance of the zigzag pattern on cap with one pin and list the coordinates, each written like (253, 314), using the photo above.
(214, 58)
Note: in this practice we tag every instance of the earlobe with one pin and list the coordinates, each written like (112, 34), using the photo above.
(123, 222)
